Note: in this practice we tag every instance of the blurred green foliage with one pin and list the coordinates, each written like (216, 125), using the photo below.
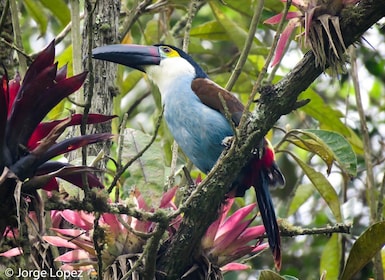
(325, 169)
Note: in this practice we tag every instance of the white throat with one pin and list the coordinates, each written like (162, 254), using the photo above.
(169, 71)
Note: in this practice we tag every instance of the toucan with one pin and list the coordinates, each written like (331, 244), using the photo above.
(196, 117)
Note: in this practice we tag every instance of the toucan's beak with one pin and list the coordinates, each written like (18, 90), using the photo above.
(134, 56)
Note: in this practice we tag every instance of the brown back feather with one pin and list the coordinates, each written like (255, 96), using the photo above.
(208, 92)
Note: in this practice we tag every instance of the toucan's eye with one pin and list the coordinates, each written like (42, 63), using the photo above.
(168, 52)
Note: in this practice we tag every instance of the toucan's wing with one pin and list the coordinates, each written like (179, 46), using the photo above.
(208, 92)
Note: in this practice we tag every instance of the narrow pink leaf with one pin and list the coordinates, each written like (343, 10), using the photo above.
(59, 242)
(75, 233)
(235, 220)
(73, 256)
(285, 36)
(278, 17)
(211, 233)
(113, 223)
(12, 252)
(167, 197)
(43, 129)
(234, 266)
(274, 19)
(79, 219)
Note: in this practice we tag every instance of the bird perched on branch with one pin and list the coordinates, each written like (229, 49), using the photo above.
(195, 115)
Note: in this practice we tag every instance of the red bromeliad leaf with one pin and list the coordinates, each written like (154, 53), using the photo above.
(3, 112)
(43, 129)
(61, 73)
(46, 174)
(26, 166)
(32, 106)
(43, 60)
(73, 144)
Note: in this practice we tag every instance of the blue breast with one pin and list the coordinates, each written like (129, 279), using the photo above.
(198, 129)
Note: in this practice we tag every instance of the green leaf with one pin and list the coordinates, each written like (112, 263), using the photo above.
(244, 7)
(270, 275)
(310, 142)
(330, 258)
(147, 172)
(366, 246)
(211, 30)
(302, 194)
(235, 32)
(59, 9)
(323, 186)
(35, 10)
(330, 146)
(329, 118)
(342, 150)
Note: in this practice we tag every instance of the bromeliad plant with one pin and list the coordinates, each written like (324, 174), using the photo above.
(318, 19)
(123, 237)
(27, 144)
(228, 239)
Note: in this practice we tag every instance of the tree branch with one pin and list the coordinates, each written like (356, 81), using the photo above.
(276, 100)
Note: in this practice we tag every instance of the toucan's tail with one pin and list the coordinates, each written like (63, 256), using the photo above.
(266, 209)
(261, 172)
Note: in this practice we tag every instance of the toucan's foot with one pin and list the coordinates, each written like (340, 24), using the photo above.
(227, 141)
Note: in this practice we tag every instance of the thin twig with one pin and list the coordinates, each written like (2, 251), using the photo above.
(151, 249)
(291, 231)
(98, 231)
(366, 138)
(247, 46)
(4, 15)
(263, 72)
(370, 181)
(18, 38)
(133, 16)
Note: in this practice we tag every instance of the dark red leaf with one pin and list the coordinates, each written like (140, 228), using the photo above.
(44, 128)
(61, 73)
(46, 174)
(71, 144)
(33, 107)
(43, 60)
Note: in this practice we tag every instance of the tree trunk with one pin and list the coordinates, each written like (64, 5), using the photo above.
(6, 53)
(101, 28)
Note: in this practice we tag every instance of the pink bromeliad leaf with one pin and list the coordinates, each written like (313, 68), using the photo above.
(79, 218)
(12, 252)
(230, 228)
(59, 242)
(167, 197)
(283, 40)
(277, 18)
(74, 255)
(234, 266)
